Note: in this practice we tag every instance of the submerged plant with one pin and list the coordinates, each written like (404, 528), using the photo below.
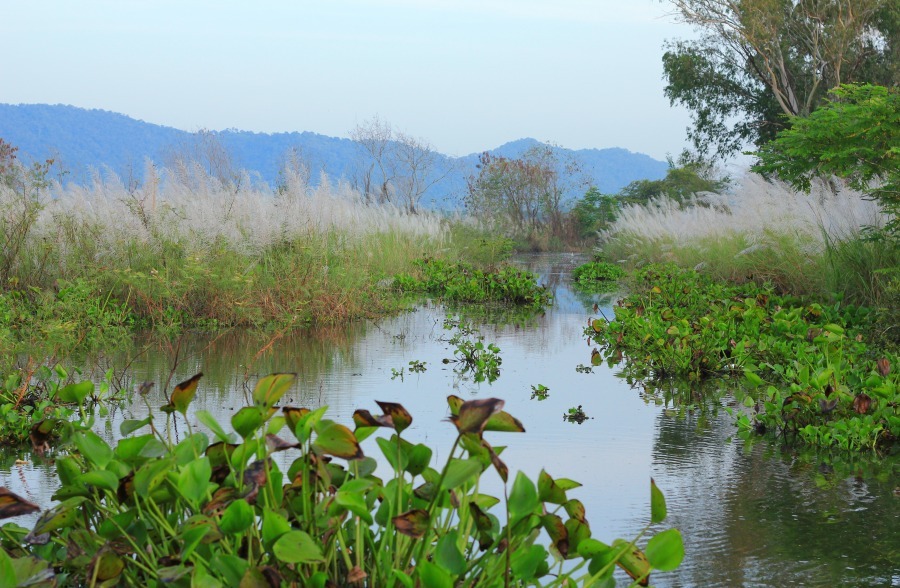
(219, 512)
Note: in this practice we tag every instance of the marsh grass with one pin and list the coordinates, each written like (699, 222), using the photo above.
(766, 232)
(187, 249)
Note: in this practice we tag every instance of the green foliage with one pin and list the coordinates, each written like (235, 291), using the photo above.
(470, 354)
(598, 276)
(758, 60)
(685, 178)
(594, 212)
(462, 282)
(855, 135)
(812, 374)
(153, 512)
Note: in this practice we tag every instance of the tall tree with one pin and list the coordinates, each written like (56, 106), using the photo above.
(397, 167)
(758, 62)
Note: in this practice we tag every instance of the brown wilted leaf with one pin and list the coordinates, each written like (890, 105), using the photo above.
(412, 523)
(276, 443)
(884, 366)
(356, 575)
(474, 414)
(862, 403)
(13, 505)
(400, 417)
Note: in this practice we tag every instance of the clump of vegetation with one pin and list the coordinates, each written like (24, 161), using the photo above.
(598, 276)
(540, 392)
(576, 414)
(815, 376)
(217, 512)
(470, 353)
(462, 282)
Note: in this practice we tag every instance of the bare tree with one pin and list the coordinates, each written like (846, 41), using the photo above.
(398, 168)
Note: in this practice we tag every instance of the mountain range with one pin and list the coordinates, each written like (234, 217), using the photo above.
(80, 140)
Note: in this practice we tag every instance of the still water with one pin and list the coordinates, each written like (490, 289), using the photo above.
(751, 514)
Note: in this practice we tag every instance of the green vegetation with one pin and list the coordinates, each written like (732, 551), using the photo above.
(202, 512)
(599, 276)
(813, 374)
(470, 354)
(463, 282)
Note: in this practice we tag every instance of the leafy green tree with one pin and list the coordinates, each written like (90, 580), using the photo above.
(855, 135)
(594, 212)
(757, 62)
(684, 178)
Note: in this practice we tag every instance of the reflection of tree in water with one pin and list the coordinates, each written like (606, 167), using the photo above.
(757, 515)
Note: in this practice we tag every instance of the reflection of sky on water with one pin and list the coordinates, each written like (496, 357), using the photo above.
(734, 508)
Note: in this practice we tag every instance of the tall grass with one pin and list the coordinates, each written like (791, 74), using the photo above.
(189, 249)
(803, 243)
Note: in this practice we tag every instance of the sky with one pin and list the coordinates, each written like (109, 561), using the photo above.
(464, 75)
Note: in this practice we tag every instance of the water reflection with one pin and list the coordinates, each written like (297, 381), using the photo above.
(750, 516)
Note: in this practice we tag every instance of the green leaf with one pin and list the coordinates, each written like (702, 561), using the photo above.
(271, 388)
(207, 419)
(193, 480)
(101, 479)
(7, 574)
(523, 500)
(335, 439)
(63, 515)
(247, 420)
(93, 448)
(665, 550)
(151, 474)
(273, 527)
(657, 503)
(129, 426)
(433, 576)
(237, 517)
(297, 547)
(448, 556)
(460, 471)
(419, 458)
(183, 394)
(76, 392)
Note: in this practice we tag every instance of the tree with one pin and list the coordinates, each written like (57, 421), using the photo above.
(594, 212)
(685, 177)
(398, 167)
(527, 193)
(855, 135)
(759, 62)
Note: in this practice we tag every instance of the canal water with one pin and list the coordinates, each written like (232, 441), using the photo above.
(752, 514)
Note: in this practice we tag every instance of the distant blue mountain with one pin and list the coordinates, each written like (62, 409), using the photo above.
(82, 139)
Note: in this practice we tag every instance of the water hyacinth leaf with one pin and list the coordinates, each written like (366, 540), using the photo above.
(13, 505)
(355, 503)
(447, 554)
(275, 443)
(498, 463)
(549, 491)
(578, 531)
(231, 567)
(129, 426)
(504, 422)
(237, 517)
(271, 388)
(7, 573)
(403, 578)
(184, 393)
(596, 358)
(363, 418)
(658, 510)
(193, 480)
(884, 366)
(93, 448)
(63, 515)
(337, 440)
(526, 562)
(41, 433)
(218, 453)
(101, 479)
(292, 415)
(254, 578)
(419, 457)
(196, 529)
(523, 500)
(29, 571)
(247, 420)
(151, 474)
(396, 458)
(559, 535)
(752, 378)
(412, 523)
(474, 414)
(297, 547)
(274, 526)
(433, 576)
(665, 550)
(567, 484)
(399, 416)
(575, 509)
(460, 471)
(106, 565)
(633, 561)
(76, 393)
(207, 419)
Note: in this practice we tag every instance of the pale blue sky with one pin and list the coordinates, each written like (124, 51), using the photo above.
(466, 75)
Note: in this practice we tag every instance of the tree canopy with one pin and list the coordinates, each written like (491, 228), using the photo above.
(759, 62)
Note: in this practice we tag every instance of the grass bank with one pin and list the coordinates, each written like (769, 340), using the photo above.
(187, 250)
